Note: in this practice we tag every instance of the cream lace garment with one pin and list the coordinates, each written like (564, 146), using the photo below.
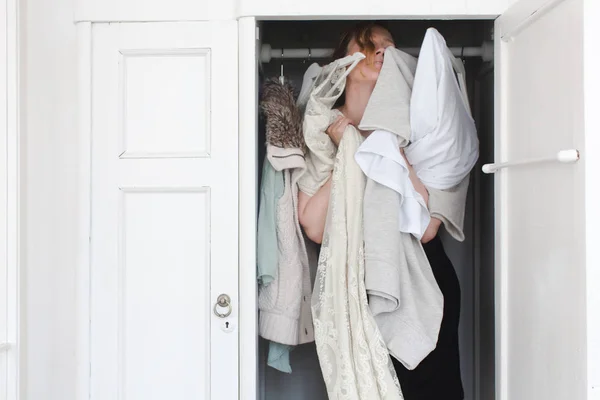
(354, 358)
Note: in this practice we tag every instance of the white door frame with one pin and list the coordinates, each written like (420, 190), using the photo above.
(248, 148)
(10, 196)
(247, 192)
(84, 126)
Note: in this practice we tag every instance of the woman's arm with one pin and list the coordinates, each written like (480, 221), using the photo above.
(312, 212)
(417, 184)
(432, 230)
(435, 223)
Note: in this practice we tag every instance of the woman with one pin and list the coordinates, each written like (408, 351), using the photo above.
(438, 375)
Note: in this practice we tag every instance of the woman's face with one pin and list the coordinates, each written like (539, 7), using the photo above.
(368, 69)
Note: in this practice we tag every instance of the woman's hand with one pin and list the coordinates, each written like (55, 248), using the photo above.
(435, 223)
(337, 128)
(432, 230)
(417, 184)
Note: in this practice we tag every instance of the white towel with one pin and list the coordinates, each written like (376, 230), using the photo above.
(380, 159)
(403, 295)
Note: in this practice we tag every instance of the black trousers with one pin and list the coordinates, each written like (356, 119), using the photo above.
(437, 377)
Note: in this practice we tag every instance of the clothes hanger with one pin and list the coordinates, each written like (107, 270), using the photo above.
(459, 68)
(307, 59)
(281, 77)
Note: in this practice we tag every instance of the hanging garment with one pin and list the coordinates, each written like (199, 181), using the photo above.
(448, 205)
(271, 190)
(444, 145)
(353, 357)
(284, 303)
(404, 297)
(308, 83)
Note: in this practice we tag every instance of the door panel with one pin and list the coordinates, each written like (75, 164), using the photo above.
(539, 208)
(164, 211)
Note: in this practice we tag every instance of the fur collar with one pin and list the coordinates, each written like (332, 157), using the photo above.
(283, 119)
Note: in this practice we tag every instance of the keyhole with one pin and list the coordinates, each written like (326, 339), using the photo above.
(226, 325)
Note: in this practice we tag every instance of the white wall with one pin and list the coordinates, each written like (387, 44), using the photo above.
(143, 10)
(50, 150)
(431, 8)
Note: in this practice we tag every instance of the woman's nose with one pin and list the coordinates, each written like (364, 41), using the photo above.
(379, 51)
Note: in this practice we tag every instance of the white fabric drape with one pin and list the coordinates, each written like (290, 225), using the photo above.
(354, 358)
(444, 145)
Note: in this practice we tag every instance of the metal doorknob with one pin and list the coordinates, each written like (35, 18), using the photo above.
(223, 301)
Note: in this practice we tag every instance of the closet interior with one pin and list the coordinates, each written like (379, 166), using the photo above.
(473, 259)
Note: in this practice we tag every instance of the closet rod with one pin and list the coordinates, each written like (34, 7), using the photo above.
(563, 156)
(267, 53)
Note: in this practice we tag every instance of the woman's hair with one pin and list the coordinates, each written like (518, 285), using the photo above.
(361, 33)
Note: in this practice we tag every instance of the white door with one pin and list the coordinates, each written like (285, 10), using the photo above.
(540, 210)
(164, 211)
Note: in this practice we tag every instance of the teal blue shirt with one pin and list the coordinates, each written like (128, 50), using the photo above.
(271, 190)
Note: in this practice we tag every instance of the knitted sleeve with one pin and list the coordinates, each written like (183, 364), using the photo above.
(448, 205)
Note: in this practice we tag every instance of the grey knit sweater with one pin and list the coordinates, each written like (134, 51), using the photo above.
(403, 294)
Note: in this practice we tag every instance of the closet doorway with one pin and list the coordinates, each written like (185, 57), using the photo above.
(473, 259)
(514, 260)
